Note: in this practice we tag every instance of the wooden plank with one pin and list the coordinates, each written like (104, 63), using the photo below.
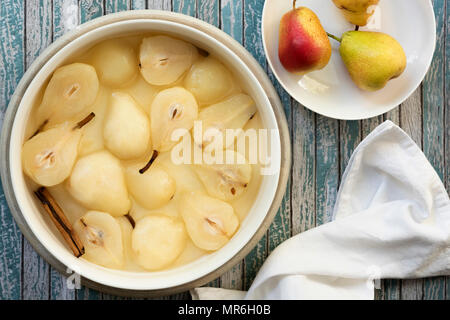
(231, 22)
(160, 4)
(327, 167)
(253, 43)
(367, 125)
(411, 116)
(393, 115)
(391, 289)
(11, 70)
(447, 118)
(412, 289)
(447, 113)
(65, 17)
(208, 11)
(350, 137)
(433, 124)
(89, 9)
(138, 4)
(411, 123)
(303, 195)
(112, 6)
(232, 19)
(188, 7)
(38, 17)
(280, 229)
(58, 287)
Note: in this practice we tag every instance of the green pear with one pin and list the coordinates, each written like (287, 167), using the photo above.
(372, 58)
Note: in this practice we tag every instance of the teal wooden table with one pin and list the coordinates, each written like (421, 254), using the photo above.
(321, 146)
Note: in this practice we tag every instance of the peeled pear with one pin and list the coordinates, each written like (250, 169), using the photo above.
(164, 59)
(126, 130)
(208, 80)
(143, 92)
(115, 61)
(157, 241)
(173, 108)
(232, 113)
(151, 188)
(92, 139)
(97, 181)
(183, 173)
(70, 91)
(210, 222)
(49, 156)
(102, 239)
(127, 229)
(226, 181)
(356, 11)
(372, 58)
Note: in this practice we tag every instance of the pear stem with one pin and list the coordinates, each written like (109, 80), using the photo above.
(334, 37)
(85, 121)
(293, 4)
(149, 163)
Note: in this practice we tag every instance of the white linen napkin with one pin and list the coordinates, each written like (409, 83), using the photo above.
(391, 220)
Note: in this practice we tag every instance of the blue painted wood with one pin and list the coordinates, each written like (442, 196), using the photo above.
(188, 7)
(112, 6)
(280, 229)
(447, 115)
(327, 167)
(138, 4)
(350, 137)
(433, 124)
(303, 190)
(12, 58)
(232, 19)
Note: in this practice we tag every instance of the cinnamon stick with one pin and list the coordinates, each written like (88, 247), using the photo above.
(60, 220)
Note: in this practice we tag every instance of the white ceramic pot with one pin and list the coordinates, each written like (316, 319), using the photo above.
(32, 219)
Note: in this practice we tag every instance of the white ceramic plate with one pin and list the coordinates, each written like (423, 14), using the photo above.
(330, 91)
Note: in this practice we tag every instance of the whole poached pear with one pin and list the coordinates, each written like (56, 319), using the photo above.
(372, 58)
(356, 12)
(303, 43)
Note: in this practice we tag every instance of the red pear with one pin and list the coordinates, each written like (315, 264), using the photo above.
(303, 43)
